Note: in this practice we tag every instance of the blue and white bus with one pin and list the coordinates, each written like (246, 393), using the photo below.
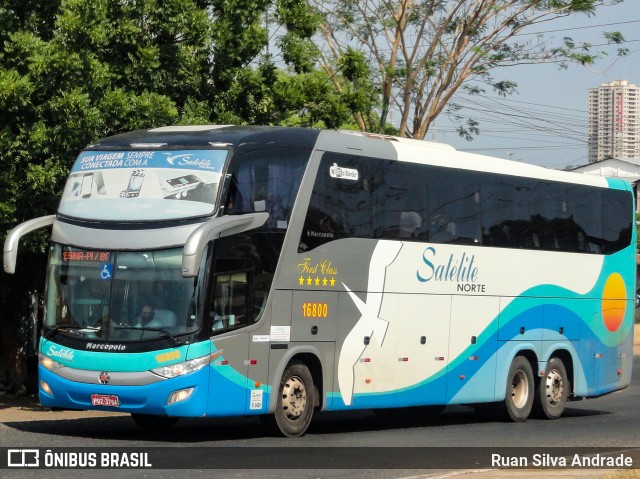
(221, 271)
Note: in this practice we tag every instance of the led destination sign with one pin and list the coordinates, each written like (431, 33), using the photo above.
(101, 256)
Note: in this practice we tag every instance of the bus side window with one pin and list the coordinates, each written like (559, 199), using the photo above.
(266, 180)
(230, 302)
(340, 206)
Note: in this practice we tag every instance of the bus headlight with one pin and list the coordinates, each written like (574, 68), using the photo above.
(49, 363)
(185, 367)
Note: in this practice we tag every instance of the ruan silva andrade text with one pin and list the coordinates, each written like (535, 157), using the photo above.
(548, 460)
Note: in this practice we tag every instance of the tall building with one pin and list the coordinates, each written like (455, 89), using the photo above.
(614, 121)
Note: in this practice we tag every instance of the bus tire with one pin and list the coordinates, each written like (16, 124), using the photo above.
(520, 391)
(553, 391)
(152, 422)
(296, 400)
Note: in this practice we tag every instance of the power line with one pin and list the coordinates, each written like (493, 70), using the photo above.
(579, 28)
(542, 105)
(525, 120)
(542, 123)
(567, 119)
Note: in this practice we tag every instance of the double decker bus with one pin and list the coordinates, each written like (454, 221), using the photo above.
(221, 271)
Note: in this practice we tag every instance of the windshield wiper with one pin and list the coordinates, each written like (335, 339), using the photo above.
(50, 334)
(157, 330)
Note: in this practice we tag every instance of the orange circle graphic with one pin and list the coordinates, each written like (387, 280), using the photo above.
(614, 302)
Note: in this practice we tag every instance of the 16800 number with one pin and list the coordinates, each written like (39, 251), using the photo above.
(315, 310)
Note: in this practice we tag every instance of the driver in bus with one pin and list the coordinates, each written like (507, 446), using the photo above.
(147, 314)
(152, 317)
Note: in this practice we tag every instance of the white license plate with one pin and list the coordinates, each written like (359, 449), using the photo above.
(105, 400)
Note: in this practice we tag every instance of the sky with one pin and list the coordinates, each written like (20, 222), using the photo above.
(545, 122)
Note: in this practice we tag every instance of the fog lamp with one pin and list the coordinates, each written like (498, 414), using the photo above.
(46, 388)
(180, 395)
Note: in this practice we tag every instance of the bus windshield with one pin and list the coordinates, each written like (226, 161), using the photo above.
(123, 295)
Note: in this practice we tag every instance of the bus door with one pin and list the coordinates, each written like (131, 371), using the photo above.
(230, 310)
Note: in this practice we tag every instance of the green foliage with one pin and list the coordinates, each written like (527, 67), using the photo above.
(354, 66)
(297, 17)
(301, 23)
(505, 87)
(74, 71)
(298, 52)
(309, 100)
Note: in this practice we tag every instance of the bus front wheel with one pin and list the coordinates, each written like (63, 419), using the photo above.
(553, 390)
(296, 400)
(520, 390)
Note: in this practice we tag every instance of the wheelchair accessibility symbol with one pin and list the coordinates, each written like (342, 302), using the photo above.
(107, 271)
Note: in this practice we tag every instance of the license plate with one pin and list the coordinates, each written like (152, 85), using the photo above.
(105, 400)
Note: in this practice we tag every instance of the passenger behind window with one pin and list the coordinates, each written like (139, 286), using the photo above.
(410, 222)
(531, 240)
(500, 235)
(582, 242)
(442, 229)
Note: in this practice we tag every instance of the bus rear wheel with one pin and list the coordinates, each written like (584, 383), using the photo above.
(518, 401)
(296, 400)
(553, 391)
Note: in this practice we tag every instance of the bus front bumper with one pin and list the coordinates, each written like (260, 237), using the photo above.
(188, 393)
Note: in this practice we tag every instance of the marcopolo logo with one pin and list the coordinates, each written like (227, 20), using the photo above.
(105, 347)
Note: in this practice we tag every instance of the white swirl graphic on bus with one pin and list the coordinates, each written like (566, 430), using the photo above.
(370, 323)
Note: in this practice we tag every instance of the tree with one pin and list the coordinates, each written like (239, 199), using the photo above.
(422, 52)
(73, 71)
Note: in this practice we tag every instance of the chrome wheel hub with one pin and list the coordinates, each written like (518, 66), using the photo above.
(294, 398)
(520, 389)
(554, 387)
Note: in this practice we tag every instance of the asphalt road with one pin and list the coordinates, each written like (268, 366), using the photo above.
(611, 421)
